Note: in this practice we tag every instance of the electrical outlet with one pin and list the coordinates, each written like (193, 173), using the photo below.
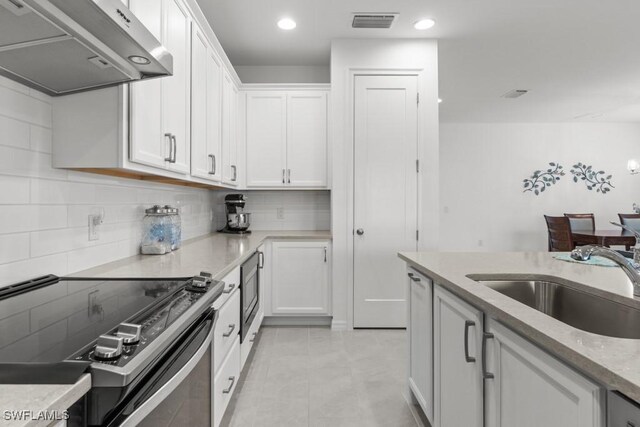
(280, 213)
(94, 222)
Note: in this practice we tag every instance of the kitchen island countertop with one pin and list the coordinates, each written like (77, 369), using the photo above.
(613, 362)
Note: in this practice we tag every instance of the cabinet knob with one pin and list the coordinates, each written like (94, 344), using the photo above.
(359, 231)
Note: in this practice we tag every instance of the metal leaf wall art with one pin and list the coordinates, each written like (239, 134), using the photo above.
(593, 179)
(540, 179)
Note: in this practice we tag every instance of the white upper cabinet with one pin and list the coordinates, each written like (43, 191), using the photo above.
(160, 108)
(229, 131)
(266, 139)
(286, 134)
(206, 113)
(148, 145)
(307, 139)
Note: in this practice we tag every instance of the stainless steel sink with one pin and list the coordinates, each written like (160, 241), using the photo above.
(576, 308)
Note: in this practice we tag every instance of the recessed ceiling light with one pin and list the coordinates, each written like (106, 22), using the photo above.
(424, 24)
(286, 24)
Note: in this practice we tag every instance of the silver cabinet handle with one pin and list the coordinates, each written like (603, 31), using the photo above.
(228, 290)
(288, 176)
(325, 254)
(235, 172)
(486, 375)
(169, 136)
(254, 337)
(213, 164)
(228, 389)
(175, 148)
(467, 325)
(230, 331)
(412, 277)
(260, 259)
(283, 176)
(359, 231)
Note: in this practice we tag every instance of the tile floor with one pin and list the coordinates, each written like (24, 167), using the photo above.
(317, 377)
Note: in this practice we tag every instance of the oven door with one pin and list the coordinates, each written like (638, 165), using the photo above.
(177, 392)
(250, 291)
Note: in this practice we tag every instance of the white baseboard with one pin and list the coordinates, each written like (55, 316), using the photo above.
(297, 321)
(339, 325)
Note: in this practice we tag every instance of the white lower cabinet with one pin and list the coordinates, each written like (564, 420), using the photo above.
(530, 388)
(227, 328)
(457, 337)
(225, 382)
(421, 341)
(486, 375)
(300, 278)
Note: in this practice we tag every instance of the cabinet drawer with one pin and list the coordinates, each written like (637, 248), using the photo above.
(225, 381)
(248, 342)
(231, 282)
(227, 329)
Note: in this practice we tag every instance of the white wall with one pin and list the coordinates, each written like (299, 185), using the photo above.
(44, 211)
(283, 74)
(386, 56)
(483, 165)
(302, 210)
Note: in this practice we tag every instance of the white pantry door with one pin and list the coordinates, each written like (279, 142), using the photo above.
(385, 196)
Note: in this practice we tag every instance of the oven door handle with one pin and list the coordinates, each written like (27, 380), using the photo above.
(158, 397)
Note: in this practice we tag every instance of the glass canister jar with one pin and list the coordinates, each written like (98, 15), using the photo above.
(156, 231)
(176, 227)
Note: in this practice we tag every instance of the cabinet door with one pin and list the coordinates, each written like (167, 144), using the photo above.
(229, 131)
(206, 99)
(176, 111)
(148, 145)
(266, 139)
(307, 139)
(458, 383)
(421, 340)
(530, 388)
(300, 278)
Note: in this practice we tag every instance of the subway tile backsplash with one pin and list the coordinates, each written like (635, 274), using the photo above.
(299, 210)
(44, 211)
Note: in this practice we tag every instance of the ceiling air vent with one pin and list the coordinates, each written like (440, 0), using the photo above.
(371, 20)
(516, 93)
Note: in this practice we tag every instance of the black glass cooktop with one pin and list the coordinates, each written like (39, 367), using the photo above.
(56, 318)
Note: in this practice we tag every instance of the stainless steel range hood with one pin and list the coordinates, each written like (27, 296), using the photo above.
(66, 46)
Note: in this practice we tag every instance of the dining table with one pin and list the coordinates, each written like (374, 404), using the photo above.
(603, 237)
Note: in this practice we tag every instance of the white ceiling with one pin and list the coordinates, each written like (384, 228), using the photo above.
(580, 59)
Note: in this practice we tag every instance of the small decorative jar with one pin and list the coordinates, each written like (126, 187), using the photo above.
(176, 227)
(156, 231)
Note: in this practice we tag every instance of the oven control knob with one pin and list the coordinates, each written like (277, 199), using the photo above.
(129, 332)
(108, 347)
(199, 282)
(208, 277)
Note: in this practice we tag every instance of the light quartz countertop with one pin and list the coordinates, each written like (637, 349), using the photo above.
(216, 253)
(613, 362)
(40, 399)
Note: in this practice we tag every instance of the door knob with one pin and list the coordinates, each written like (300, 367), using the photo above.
(359, 231)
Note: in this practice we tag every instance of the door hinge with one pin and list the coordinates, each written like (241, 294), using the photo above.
(418, 235)
(417, 165)
(418, 98)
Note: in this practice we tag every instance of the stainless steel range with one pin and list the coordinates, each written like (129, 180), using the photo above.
(145, 343)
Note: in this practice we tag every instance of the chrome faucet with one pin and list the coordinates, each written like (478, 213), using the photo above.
(583, 253)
